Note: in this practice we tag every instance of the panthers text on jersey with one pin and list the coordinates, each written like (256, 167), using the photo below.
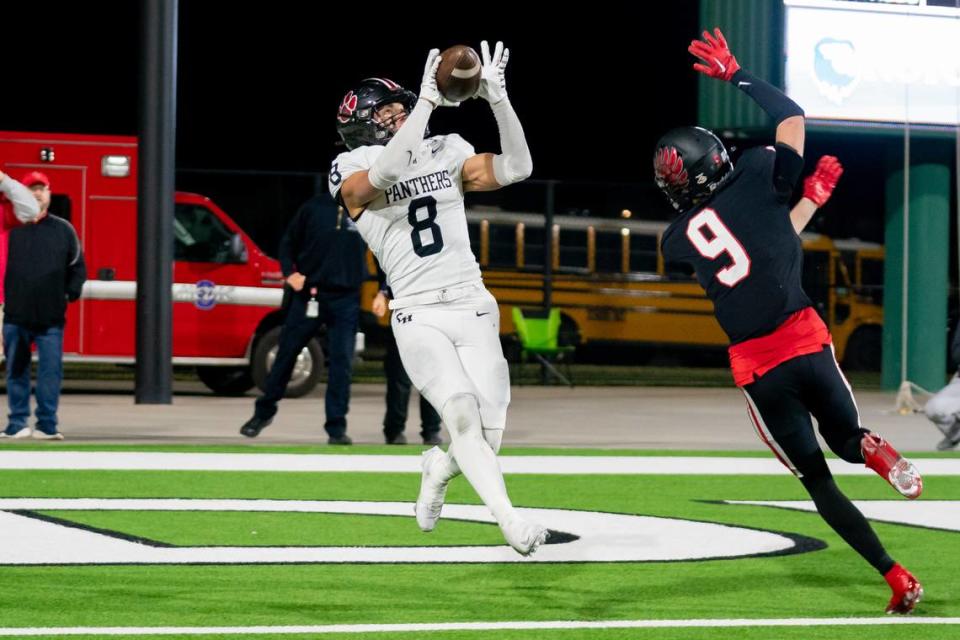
(417, 228)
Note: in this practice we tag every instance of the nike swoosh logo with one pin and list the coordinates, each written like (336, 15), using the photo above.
(743, 84)
(723, 69)
(482, 314)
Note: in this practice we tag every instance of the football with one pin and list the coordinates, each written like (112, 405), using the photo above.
(458, 77)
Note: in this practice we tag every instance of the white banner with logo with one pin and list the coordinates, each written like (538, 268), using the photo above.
(874, 62)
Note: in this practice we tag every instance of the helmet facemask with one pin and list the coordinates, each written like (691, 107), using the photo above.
(356, 119)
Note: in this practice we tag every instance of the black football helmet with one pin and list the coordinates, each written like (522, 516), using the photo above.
(355, 122)
(690, 163)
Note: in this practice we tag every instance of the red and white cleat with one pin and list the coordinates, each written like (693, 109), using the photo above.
(907, 590)
(879, 455)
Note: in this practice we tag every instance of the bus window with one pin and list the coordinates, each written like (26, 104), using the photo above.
(503, 245)
(609, 251)
(871, 280)
(573, 248)
(533, 246)
(643, 253)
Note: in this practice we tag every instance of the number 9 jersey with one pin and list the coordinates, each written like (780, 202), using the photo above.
(743, 247)
(417, 228)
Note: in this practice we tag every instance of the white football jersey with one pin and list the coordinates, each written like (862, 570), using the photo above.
(417, 228)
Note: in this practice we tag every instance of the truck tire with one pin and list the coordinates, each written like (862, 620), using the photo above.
(226, 381)
(864, 349)
(306, 372)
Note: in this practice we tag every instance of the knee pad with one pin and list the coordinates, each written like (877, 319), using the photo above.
(461, 414)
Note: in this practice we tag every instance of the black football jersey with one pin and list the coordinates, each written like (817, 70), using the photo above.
(743, 247)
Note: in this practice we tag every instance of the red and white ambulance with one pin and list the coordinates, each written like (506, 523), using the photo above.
(226, 293)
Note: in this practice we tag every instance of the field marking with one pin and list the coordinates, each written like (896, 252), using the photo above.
(476, 626)
(548, 465)
(931, 514)
(599, 537)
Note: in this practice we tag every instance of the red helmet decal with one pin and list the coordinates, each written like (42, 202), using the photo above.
(668, 166)
(347, 107)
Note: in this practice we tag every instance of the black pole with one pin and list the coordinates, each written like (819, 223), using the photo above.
(548, 262)
(155, 186)
(548, 247)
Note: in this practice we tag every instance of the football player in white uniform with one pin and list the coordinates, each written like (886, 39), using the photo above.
(405, 190)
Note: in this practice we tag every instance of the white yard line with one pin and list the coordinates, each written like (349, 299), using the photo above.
(550, 465)
(475, 626)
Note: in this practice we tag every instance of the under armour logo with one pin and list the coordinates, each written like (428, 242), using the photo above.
(403, 319)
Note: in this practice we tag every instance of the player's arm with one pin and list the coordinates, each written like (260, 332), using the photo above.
(817, 189)
(717, 61)
(362, 187)
(488, 171)
(25, 206)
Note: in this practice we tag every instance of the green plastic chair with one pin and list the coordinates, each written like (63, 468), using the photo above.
(538, 339)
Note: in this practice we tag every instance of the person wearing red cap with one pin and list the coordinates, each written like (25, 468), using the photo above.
(17, 206)
(45, 271)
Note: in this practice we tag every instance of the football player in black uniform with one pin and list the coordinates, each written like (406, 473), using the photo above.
(737, 232)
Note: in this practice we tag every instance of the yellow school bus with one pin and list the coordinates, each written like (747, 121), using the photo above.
(611, 285)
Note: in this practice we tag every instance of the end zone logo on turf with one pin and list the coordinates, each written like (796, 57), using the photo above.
(31, 538)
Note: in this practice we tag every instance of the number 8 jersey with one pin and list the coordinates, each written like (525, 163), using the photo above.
(417, 228)
(743, 247)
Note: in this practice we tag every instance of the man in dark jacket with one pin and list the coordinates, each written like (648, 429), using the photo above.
(45, 271)
(322, 257)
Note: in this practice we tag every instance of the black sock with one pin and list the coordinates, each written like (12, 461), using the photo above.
(852, 451)
(844, 518)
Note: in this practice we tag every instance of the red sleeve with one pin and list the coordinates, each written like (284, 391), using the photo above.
(7, 218)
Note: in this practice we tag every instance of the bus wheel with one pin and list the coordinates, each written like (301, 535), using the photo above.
(306, 370)
(226, 381)
(569, 332)
(864, 349)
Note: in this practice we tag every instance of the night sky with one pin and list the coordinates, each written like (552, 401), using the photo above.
(258, 90)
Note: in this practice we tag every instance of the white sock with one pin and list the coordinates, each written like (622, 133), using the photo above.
(474, 456)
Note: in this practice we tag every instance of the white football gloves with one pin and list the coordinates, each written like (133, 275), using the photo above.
(428, 88)
(493, 85)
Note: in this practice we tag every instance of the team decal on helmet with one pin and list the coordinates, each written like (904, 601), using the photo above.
(347, 107)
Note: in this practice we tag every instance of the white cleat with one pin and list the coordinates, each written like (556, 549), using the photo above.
(433, 488)
(525, 537)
